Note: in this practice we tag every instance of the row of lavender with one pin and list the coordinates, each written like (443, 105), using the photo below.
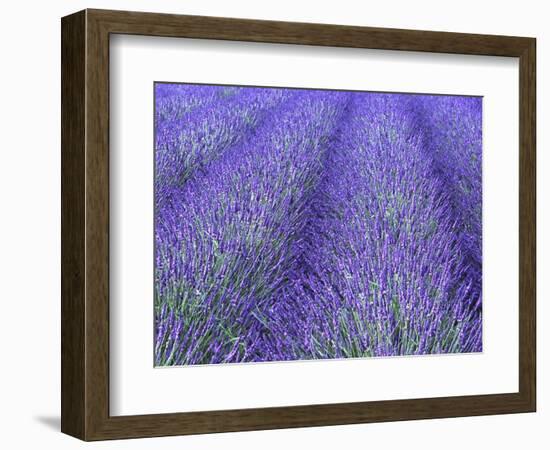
(295, 224)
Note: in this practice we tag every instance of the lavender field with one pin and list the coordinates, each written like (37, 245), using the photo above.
(297, 224)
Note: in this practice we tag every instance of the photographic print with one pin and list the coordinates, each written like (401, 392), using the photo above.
(304, 224)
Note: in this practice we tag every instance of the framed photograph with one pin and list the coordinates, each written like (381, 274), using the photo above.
(273, 225)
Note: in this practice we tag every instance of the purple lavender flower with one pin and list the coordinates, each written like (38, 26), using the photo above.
(302, 224)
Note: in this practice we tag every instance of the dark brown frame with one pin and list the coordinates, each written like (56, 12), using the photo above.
(85, 224)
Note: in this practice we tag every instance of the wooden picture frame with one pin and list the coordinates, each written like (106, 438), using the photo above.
(85, 224)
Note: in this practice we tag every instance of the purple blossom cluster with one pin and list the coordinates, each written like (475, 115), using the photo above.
(306, 224)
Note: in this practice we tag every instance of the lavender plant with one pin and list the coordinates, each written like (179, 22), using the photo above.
(186, 141)
(299, 224)
(451, 126)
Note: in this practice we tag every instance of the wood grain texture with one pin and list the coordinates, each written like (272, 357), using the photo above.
(527, 224)
(85, 224)
(151, 24)
(72, 224)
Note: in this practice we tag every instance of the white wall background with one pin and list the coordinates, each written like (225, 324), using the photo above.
(30, 225)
